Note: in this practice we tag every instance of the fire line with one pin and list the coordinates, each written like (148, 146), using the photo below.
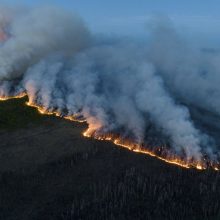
(174, 160)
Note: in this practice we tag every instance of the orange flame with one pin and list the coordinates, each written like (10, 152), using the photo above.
(5, 98)
(137, 148)
(134, 147)
(44, 111)
(158, 152)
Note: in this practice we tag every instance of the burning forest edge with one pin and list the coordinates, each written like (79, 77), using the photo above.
(140, 97)
(159, 152)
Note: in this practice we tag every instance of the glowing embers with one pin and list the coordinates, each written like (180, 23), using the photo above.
(44, 111)
(75, 118)
(159, 152)
(41, 110)
(18, 96)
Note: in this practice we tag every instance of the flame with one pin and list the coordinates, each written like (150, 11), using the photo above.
(42, 110)
(174, 161)
(5, 98)
(138, 149)
(132, 146)
(74, 118)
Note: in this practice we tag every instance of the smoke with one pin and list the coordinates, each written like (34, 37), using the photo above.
(36, 34)
(139, 91)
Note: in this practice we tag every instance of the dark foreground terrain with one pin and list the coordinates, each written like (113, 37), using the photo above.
(48, 171)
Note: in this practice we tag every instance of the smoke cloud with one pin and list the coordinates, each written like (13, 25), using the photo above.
(159, 90)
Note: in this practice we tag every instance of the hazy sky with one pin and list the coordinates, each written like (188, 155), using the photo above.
(199, 18)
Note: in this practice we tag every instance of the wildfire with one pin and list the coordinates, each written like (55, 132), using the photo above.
(174, 161)
(132, 146)
(137, 148)
(161, 153)
(74, 118)
(5, 98)
(42, 110)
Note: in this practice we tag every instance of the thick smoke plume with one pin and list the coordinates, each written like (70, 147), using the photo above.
(162, 90)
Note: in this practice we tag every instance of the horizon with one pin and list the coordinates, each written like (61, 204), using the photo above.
(197, 21)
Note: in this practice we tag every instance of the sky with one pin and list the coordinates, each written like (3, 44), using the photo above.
(198, 18)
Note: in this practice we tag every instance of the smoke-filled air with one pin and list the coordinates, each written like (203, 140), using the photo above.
(160, 95)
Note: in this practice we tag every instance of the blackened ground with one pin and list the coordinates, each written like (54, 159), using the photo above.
(48, 171)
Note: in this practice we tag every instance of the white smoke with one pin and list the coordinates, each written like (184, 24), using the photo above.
(38, 33)
(119, 87)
